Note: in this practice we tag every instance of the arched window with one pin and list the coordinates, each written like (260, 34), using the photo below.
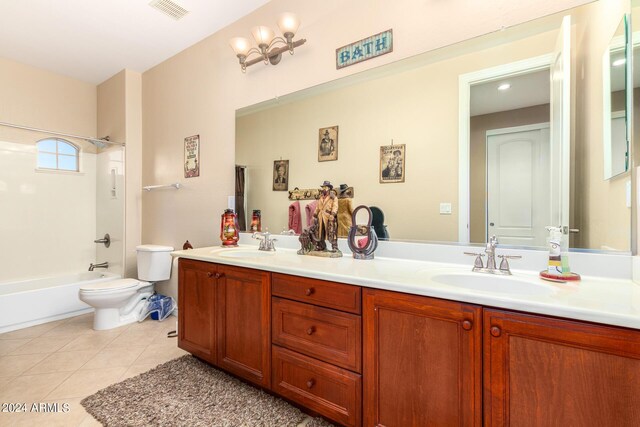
(57, 154)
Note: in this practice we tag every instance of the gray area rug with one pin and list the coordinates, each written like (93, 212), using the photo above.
(188, 392)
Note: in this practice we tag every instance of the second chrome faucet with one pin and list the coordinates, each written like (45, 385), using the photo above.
(490, 252)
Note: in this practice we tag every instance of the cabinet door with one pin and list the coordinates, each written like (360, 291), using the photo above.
(244, 323)
(541, 371)
(422, 361)
(196, 308)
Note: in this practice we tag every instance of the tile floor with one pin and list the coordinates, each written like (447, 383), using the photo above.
(65, 361)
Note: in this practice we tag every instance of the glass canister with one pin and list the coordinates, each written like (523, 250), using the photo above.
(229, 228)
(256, 221)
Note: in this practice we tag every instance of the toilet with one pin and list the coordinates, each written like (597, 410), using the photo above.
(120, 302)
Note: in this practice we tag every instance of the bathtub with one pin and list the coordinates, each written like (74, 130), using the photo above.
(31, 302)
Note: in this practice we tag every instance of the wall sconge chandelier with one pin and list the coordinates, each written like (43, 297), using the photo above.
(267, 42)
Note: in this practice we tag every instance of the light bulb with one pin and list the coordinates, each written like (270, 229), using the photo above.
(263, 35)
(288, 23)
(240, 45)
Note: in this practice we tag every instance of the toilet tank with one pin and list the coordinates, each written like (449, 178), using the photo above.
(154, 262)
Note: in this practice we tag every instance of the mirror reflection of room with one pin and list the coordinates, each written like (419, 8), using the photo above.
(521, 177)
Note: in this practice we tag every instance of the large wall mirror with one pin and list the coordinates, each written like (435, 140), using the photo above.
(498, 135)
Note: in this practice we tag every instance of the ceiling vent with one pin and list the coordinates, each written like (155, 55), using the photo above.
(169, 8)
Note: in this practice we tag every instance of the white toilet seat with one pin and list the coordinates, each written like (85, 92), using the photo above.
(113, 286)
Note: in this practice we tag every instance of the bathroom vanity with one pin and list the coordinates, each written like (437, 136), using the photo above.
(385, 343)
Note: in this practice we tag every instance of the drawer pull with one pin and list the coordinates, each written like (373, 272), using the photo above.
(311, 330)
(311, 383)
(467, 325)
(309, 291)
(495, 331)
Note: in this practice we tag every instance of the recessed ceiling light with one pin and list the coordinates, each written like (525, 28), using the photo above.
(619, 62)
(504, 86)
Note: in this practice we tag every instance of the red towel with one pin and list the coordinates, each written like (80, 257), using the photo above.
(295, 218)
(310, 209)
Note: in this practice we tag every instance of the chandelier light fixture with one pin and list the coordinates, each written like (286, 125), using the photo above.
(270, 48)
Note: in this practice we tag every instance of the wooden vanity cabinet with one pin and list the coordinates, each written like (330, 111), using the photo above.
(224, 316)
(545, 371)
(422, 361)
(243, 321)
(196, 308)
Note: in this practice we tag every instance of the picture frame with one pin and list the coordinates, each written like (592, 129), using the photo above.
(192, 156)
(392, 163)
(280, 175)
(328, 144)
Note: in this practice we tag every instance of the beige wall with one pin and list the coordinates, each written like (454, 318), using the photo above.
(198, 91)
(600, 208)
(41, 99)
(478, 127)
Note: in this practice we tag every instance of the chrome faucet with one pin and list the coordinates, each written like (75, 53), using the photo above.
(93, 266)
(490, 252)
(266, 241)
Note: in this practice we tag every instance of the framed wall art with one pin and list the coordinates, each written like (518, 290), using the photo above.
(280, 175)
(392, 159)
(192, 156)
(328, 144)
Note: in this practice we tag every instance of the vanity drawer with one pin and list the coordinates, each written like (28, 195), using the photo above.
(331, 391)
(326, 294)
(329, 335)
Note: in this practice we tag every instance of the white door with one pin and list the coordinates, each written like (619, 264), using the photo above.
(518, 185)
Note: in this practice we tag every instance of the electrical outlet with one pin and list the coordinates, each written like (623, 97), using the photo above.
(445, 208)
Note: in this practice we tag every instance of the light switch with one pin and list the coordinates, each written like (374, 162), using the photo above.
(445, 208)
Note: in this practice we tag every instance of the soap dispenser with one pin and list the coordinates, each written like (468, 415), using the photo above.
(558, 265)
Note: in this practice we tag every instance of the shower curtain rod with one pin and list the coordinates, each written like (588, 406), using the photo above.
(68, 135)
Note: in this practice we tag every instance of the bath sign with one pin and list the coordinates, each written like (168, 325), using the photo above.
(364, 49)
(192, 156)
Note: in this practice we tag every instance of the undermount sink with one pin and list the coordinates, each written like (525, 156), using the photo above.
(242, 253)
(493, 283)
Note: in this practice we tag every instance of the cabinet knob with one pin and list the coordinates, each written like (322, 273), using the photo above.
(467, 325)
(311, 383)
(219, 275)
(309, 291)
(311, 330)
(495, 331)
(209, 274)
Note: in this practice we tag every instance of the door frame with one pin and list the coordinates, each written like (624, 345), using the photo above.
(503, 131)
(465, 81)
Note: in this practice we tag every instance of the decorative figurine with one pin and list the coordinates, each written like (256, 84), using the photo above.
(229, 228)
(362, 238)
(324, 226)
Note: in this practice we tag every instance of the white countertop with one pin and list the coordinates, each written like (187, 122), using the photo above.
(595, 299)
